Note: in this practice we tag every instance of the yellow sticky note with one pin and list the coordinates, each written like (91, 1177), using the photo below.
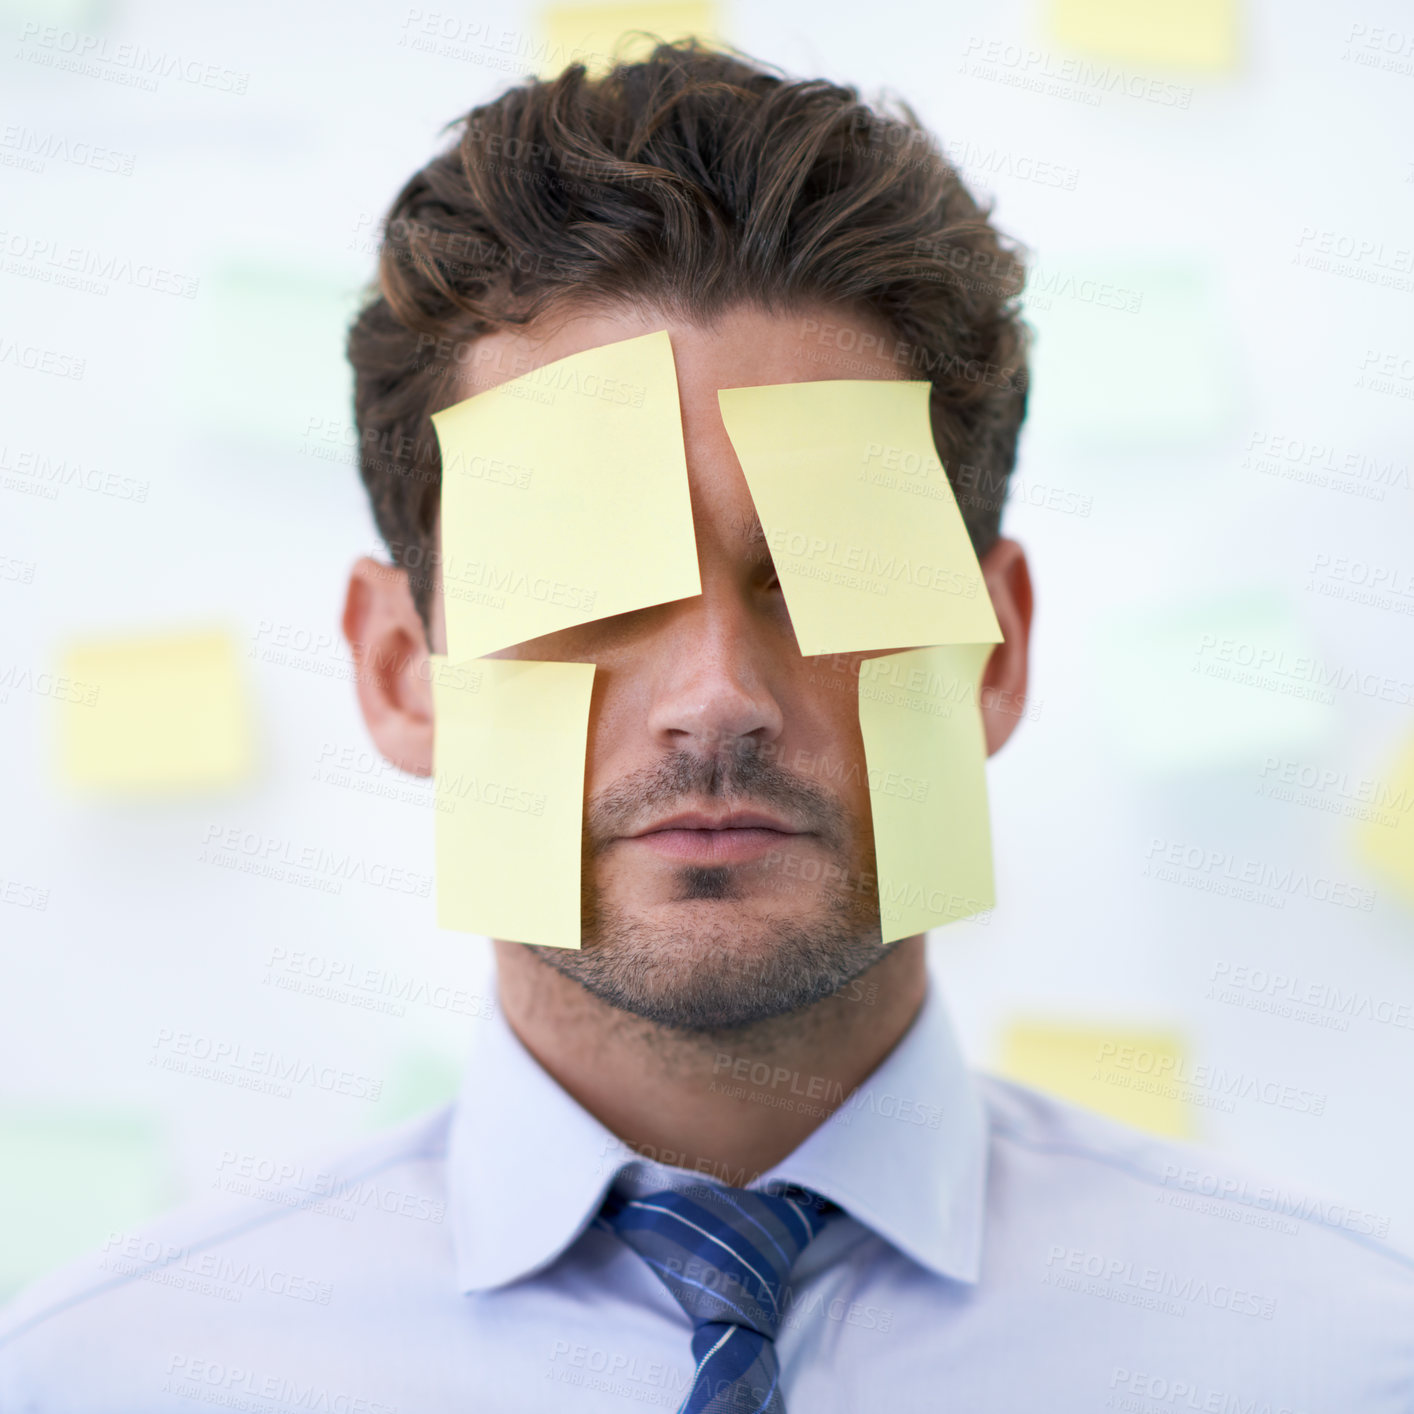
(1386, 835)
(565, 498)
(1129, 1076)
(1199, 35)
(926, 753)
(158, 714)
(509, 758)
(599, 35)
(861, 522)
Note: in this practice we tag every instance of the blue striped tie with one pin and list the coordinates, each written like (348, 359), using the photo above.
(725, 1253)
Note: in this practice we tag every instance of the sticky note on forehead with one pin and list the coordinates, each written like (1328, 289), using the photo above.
(564, 497)
(920, 718)
(860, 519)
(509, 763)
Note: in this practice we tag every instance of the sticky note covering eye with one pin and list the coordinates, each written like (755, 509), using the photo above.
(154, 715)
(860, 520)
(565, 498)
(926, 751)
(509, 759)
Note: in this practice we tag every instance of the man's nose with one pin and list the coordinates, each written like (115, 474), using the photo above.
(713, 688)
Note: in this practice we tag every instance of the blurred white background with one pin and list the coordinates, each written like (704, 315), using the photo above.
(1215, 474)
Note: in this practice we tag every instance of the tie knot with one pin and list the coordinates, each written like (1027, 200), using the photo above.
(725, 1253)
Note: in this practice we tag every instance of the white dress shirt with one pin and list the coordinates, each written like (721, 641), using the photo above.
(1002, 1253)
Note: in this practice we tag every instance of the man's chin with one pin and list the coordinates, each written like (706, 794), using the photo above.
(688, 968)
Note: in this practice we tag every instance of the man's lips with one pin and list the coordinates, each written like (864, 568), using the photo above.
(734, 837)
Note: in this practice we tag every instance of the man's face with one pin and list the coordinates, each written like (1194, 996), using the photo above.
(728, 871)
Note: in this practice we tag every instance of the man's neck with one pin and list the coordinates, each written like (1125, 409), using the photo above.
(729, 1104)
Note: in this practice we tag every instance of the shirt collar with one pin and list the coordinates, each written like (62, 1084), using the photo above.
(528, 1168)
(906, 1154)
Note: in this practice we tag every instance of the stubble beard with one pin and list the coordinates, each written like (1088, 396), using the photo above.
(714, 973)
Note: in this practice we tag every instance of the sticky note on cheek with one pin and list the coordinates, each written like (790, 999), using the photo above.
(926, 752)
(860, 520)
(565, 498)
(509, 761)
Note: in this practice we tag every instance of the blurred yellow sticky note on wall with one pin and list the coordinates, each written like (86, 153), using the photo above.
(155, 715)
(509, 757)
(860, 520)
(926, 754)
(1386, 835)
(564, 497)
(1197, 35)
(598, 35)
(1134, 1077)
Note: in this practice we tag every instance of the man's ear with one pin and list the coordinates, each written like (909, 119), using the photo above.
(1008, 579)
(392, 673)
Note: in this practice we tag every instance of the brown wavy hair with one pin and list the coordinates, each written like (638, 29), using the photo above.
(690, 181)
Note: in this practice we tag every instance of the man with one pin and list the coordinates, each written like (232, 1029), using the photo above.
(725, 1155)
